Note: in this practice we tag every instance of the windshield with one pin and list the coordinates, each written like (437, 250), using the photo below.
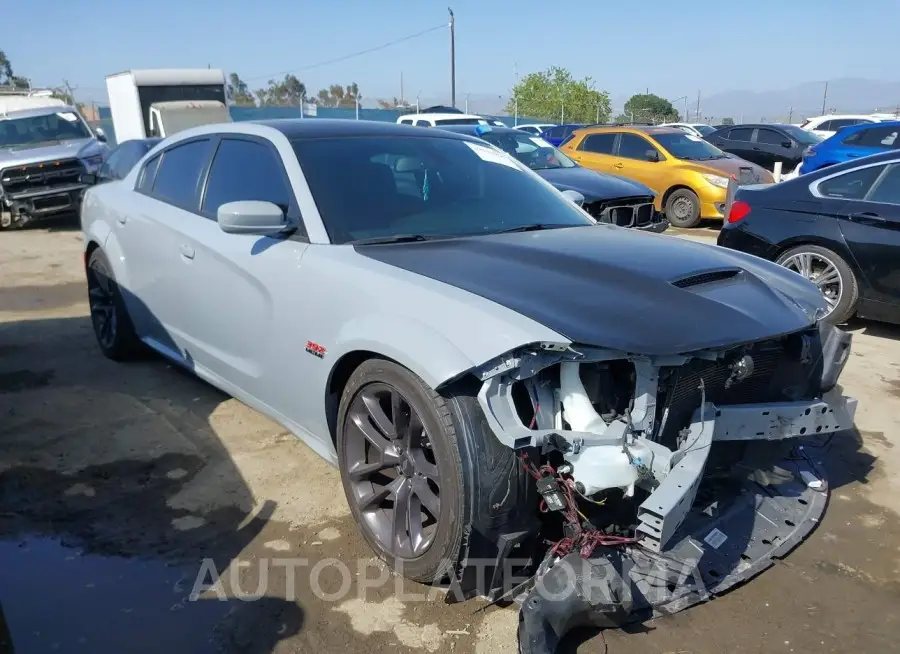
(36, 130)
(704, 129)
(688, 147)
(388, 187)
(175, 120)
(532, 151)
(801, 135)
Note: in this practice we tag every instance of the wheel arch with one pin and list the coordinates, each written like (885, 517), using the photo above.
(838, 247)
(672, 189)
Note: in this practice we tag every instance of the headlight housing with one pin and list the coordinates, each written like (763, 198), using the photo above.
(716, 180)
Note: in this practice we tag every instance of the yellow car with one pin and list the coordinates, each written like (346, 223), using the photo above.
(689, 175)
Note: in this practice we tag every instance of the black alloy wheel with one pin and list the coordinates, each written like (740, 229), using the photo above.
(112, 325)
(392, 474)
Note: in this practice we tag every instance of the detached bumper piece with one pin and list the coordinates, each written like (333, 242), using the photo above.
(738, 526)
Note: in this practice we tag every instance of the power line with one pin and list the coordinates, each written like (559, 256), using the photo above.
(350, 56)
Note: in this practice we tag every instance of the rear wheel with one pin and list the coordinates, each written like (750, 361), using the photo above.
(683, 208)
(831, 275)
(112, 325)
(418, 467)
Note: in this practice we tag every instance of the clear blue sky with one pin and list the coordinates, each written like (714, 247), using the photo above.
(673, 48)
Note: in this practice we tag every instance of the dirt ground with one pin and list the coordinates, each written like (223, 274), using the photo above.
(121, 484)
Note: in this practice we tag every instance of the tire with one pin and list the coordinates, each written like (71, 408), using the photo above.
(683, 208)
(848, 289)
(482, 489)
(112, 325)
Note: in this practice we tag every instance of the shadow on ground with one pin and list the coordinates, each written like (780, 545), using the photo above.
(104, 472)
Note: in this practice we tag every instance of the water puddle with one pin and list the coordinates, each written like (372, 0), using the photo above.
(57, 599)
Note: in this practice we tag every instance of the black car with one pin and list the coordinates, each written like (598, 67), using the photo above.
(765, 144)
(838, 226)
(608, 198)
(120, 160)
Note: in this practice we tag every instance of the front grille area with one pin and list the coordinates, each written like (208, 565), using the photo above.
(784, 369)
(746, 175)
(41, 176)
(623, 212)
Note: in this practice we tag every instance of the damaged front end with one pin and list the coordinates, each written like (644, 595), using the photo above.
(664, 479)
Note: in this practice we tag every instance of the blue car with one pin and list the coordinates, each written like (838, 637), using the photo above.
(556, 135)
(608, 198)
(851, 143)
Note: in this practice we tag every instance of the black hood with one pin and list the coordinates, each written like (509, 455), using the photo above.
(612, 287)
(593, 186)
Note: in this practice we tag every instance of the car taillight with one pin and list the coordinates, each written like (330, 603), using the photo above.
(739, 211)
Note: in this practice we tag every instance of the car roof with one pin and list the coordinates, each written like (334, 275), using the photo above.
(294, 128)
(643, 129)
(434, 115)
(471, 129)
(880, 157)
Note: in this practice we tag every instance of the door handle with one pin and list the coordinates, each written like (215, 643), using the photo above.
(867, 218)
(757, 149)
(850, 155)
(121, 218)
(618, 165)
(187, 251)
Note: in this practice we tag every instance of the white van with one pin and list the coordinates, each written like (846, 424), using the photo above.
(438, 120)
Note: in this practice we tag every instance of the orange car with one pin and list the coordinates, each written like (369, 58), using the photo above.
(689, 175)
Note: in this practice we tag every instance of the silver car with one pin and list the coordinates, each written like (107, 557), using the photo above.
(469, 347)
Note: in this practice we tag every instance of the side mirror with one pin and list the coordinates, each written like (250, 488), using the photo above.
(787, 144)
(101, 135)
(251, 217)
(87, 178)
(652, 156)
(574, 196)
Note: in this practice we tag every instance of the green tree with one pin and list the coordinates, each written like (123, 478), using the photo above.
(339, 96)
(289, 92)
(555, 95)
(647, 107)
(238, 91)
(63, 94)
(7, 77)
(728, 121)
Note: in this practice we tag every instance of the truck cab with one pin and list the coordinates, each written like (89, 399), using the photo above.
(46, 146)
(155, 103)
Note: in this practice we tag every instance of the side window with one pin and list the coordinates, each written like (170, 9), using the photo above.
(741, 134)
(148, 175)
(878, 137)
(826, 126)
(555, 132)
(770, 137)
(599, 143)
(179, 174)
(852, 185)
(632, 146)
(422, 123)
(105, 170)
(406, 121)
(245, 170)
(888, 189)
(131, 154)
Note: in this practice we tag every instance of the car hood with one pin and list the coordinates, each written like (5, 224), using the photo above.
(592, 185)
(25, 154)
(731, 166)
(617, 288)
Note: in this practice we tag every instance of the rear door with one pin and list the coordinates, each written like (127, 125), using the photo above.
(233, 280)
(872, 140)
(595, 151)
(739, 142)
(871, 225)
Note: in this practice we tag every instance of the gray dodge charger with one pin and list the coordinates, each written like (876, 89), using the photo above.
(502, 381)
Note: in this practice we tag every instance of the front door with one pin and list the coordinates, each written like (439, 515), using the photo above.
(640, 160)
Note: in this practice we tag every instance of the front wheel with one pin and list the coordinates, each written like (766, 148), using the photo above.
(112, 325)
(831, 275)
(683, 208)
(420, 469)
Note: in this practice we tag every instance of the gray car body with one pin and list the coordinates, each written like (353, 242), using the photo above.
(31, 154)
(239, 310)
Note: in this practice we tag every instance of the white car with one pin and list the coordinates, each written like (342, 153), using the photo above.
(827, 126)
(437, 119)
(535, 128)
(695, 129)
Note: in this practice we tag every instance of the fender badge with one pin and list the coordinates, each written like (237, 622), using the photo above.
(315, 349)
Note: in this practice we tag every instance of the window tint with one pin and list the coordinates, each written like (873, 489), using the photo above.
(245, 170)
(145, 183)
(888, 189)
(599, 143)
(105, 170)
(878, 137)
(770, 137)
(826, 126)
(129, 154)
(422, 123)
(179, 173)
(852, 185)
(633, 146)
(840, 123)
(555, 132)
(741, 134)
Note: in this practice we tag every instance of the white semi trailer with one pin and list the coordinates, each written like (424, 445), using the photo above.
(159, 102)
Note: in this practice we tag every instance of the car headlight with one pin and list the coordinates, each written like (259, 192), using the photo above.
(94, 161)
(716, 180)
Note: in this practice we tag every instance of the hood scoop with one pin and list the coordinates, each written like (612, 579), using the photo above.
(706, 278)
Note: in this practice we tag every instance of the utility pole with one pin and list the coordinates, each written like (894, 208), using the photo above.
(401, 87)
(824, 98)
(452, 58)
(70, 91)
(790, 115)
(698, 105)
(467, 102)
